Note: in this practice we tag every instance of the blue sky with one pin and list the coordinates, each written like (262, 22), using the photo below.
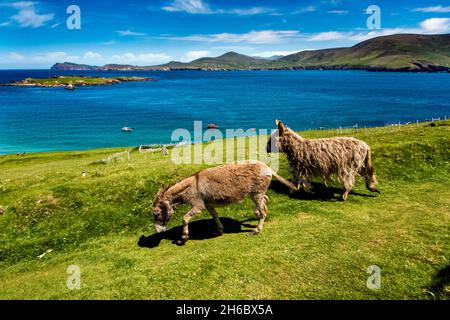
(33, 34)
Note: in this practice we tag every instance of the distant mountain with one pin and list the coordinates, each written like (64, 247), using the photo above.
(227, 61)
(409, 52)
(402, 52)
(275, 57)
(124, 67)
(73, 66)
(230, 59)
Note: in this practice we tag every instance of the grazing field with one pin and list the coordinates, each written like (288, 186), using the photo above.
(312, 246)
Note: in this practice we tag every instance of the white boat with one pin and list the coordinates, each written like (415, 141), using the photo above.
(127, 129)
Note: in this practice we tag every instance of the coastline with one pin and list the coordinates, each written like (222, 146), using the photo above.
(419, 69)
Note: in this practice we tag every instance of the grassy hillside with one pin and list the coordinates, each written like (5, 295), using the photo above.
(229, 60)
(403, 51)
(312, 246)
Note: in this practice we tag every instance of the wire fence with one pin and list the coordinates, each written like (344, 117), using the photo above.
(358, 127)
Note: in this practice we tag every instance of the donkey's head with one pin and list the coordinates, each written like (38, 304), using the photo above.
(164, 204)
(162, 210)
(273, 144)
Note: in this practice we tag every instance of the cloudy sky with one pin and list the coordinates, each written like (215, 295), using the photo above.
(34, 34)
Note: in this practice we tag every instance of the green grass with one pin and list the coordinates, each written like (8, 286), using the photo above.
(66, 80)
(310, 248)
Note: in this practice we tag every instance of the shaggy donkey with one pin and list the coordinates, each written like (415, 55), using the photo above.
(342, 157)
(215, 187)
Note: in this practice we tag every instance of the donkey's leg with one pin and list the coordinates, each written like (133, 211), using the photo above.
(304, 183)
(187, 217)
(260, 200)
(349, 182)
(212, 211)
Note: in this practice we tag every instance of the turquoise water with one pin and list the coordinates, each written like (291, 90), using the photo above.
(43, 119)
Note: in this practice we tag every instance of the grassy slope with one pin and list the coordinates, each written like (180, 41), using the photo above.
(395, 51)
(312, 247)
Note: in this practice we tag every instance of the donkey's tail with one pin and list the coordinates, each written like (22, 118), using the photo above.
(369, 173)
(287, 183)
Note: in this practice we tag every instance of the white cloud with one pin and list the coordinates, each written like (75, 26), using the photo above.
(14, 56)
(45, 60)
(428, 26)
(327, 36)
(5, 24)
(305, 9)
(27, 15)
(201, 7)
(141, 59)
(268, 54)
(130, 33)
(435, 9)
(18, 4)
(251, 11)
(109, 43)
(53, 26)
(51, 57)
(237, 48)
(193, 55)
(92, 55)
(189, 6)
(40, 59)
(436, 25)
(254, 37)
(338, 11)
(362, 36)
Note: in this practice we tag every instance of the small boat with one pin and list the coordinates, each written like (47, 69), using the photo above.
(69, 87)
(213, 126)
(127, 129)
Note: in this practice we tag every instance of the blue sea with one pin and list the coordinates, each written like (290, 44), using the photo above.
(44, 119)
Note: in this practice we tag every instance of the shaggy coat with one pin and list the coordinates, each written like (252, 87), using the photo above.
(343, 158)
(215, 187)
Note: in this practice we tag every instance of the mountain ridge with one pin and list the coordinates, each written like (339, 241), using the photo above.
(400, 52)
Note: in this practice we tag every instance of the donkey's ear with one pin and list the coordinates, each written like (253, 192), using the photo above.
(280, 126)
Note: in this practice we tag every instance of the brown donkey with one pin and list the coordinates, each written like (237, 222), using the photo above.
(215, 187)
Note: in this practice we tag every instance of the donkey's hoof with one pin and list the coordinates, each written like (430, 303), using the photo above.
(181, 243)
(253, 233)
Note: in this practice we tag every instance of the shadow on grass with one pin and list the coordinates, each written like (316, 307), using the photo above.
(440, 281)
(198, 230)
(319, 192)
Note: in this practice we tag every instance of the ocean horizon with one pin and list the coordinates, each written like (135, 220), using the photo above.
(53, 119)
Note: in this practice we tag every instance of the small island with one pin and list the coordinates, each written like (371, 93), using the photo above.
(71, 82)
